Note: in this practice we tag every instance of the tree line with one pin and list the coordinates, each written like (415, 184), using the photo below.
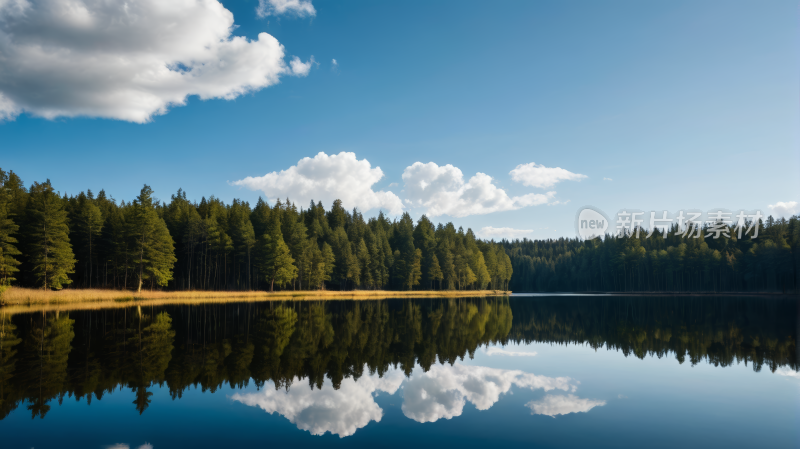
(52, 240)
(665, 261)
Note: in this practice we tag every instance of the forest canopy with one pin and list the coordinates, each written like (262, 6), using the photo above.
(52, 240)
(86, 241)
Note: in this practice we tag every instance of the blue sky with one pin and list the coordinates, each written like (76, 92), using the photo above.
(683, 105)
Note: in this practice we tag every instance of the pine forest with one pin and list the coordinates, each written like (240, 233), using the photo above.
(51, 240)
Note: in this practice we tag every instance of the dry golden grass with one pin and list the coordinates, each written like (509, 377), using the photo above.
(18, 300)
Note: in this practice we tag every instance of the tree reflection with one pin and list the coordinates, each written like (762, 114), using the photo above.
(89, 354)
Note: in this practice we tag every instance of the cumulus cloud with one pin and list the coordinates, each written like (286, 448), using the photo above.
(340, 412)
(490, 232)
(443, 391)
(300, 8)
(607, 179)
(300, 68)
(442, 191)
(327, 178)
(533, 175)
(786, 209)
(127, 60)
(495, 350)
(556, 404)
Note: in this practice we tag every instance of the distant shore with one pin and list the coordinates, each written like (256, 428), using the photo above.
(17, 300)
(770, 294)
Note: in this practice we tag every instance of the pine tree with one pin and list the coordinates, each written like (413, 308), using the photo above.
(436, 273)
(90, 224)
(414, 267)
(277, 265)
(154, 247)
(50, 249)
(8, 263)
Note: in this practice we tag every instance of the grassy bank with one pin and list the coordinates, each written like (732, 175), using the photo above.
(16, 300)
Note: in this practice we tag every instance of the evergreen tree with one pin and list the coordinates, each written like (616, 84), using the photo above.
(154, 247)
(8, 251)
(436, 273)
(50, 250)
(278, 265)
(90, 224)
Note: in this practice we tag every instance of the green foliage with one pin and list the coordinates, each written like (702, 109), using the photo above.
(277, 263)
(8, 249)
(212, 245)
(50, 250)
(153, 245)
(663, 262)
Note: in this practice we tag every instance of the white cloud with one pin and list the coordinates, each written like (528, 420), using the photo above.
(127, 60)
(786, 209)
(490, 232)
(495, 350)
(327, 178)
(340, 412)
(556, 404)
(300, 68)
(788, 373)
(335, 64)
(607, 179)
(443, 391)
(533, 175)
(442, 191)
(300, 8)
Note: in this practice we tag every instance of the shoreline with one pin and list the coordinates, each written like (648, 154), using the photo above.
(21, 300)
(659, 294)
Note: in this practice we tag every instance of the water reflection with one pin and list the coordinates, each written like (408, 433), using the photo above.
(340, 411)
(345, 351)
(443, 391)
(552, 405)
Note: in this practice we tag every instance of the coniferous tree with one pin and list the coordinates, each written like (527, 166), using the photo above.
(8, 249)
(436, 273)
(154, 248)
(90, 224)
(50, 250)
(278, 265)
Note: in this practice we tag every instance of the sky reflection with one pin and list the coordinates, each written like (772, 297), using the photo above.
(440, 393)
(340, 412)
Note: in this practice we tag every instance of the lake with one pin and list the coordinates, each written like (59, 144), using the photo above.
(525, 370)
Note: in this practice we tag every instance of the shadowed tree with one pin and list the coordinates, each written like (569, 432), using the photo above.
(48, 235)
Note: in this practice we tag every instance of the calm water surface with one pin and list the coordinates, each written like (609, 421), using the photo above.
(569, 371)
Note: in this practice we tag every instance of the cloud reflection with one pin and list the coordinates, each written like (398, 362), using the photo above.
(788, 373)
(443, 391)
(557, 404)
(340, 412)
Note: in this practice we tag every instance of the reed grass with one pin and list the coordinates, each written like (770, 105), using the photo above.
(18, 300)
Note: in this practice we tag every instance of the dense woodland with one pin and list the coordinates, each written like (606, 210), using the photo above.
(54, 240)
(664, 262)
(87, 355)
